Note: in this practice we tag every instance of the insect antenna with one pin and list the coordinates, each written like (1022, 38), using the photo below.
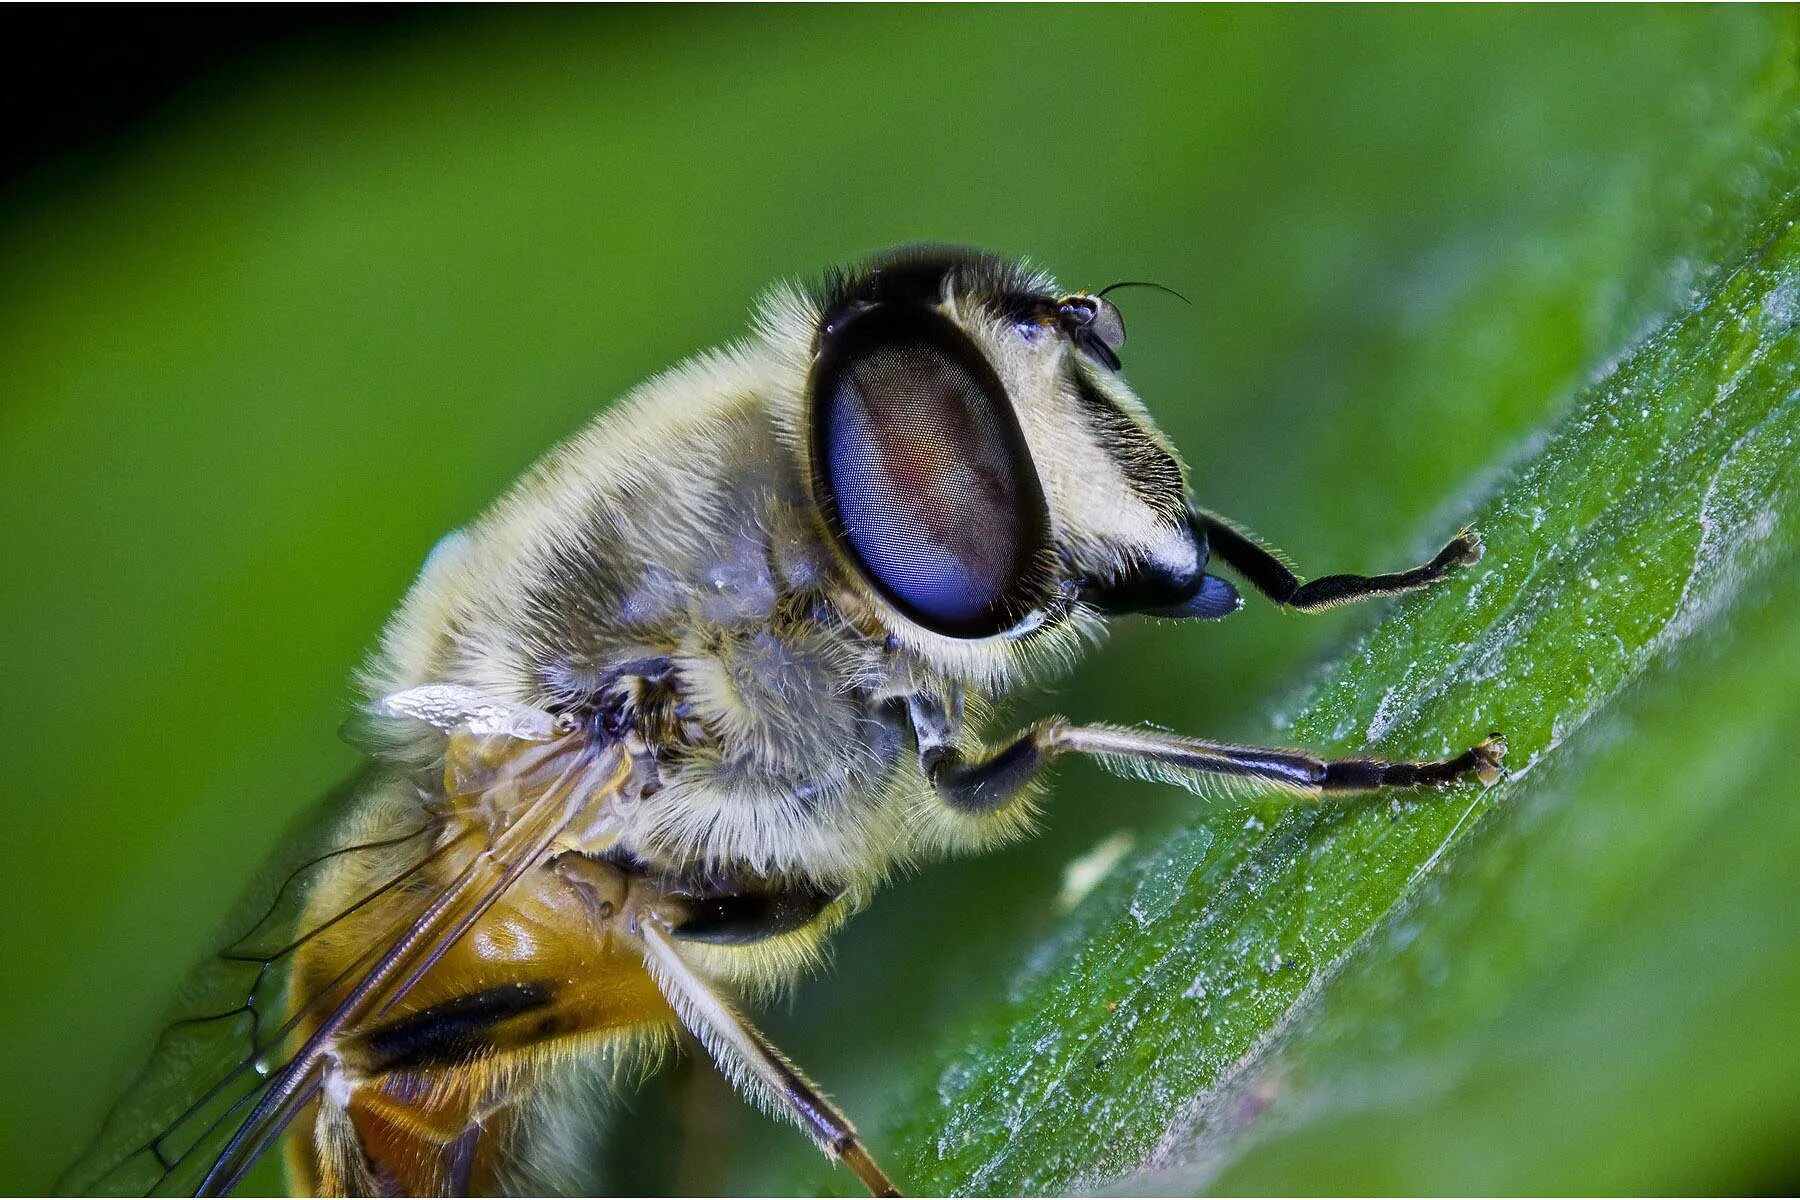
(1141, 283)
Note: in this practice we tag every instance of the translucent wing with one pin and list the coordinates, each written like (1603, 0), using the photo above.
(390, 869)
(225, 1032)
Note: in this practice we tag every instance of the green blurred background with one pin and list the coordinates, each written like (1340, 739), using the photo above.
(259, 350)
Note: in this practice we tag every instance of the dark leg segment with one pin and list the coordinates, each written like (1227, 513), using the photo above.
(972, 787)
(1270, 576)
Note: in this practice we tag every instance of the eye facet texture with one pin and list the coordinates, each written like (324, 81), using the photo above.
(932, 485)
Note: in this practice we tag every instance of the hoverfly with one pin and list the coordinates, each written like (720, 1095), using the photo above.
(654, 726)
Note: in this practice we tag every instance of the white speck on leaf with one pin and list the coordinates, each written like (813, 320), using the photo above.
(1084, 874)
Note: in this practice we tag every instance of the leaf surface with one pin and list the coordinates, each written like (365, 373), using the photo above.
(1388, 996)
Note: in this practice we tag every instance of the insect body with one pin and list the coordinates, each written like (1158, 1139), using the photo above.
(656, 724)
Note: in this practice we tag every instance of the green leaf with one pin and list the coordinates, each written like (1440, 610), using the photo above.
(1487, 990)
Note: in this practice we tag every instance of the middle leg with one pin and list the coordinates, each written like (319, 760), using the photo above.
(987, 783)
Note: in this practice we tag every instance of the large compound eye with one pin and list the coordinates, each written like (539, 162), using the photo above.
(923, 472)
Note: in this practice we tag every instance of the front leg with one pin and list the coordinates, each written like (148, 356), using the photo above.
(1265, 571)
(985, 784)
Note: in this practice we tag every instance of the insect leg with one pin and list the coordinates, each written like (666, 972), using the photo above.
(753, 1064)
(1265, 572)
(985, 784)
(1296, 770)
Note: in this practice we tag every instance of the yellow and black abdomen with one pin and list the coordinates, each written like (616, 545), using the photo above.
(420, 1099)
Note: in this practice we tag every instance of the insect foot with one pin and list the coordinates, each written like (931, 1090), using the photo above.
(1490, 751)
(1463, 550)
